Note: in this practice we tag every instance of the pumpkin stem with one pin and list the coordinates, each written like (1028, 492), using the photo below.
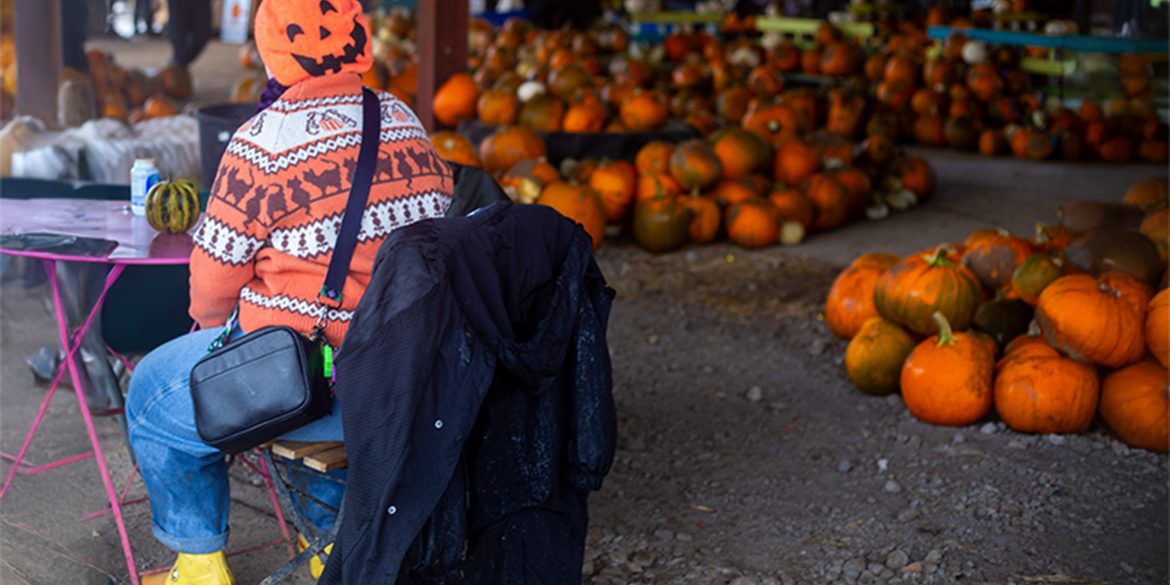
(939, 257)
(1034, 329)
(945, 335)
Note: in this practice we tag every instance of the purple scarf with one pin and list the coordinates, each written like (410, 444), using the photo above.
(271, 93)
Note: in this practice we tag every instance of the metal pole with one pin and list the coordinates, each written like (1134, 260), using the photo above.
(442, 50)
(38, 58)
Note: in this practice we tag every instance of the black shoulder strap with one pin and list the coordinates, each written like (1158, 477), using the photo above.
(359, 192)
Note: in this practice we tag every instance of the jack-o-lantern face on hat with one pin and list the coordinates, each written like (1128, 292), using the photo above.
(310, 38)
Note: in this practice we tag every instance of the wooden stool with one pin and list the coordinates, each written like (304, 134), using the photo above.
(319, 457)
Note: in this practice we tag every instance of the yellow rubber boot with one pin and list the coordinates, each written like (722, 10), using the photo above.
(209, 569)
(316, 567)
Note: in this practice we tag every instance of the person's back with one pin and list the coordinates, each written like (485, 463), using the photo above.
(278, 198)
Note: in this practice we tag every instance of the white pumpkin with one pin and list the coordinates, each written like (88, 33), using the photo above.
(529, 90)
(975, 52)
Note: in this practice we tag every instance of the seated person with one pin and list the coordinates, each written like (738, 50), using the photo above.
(263, 249)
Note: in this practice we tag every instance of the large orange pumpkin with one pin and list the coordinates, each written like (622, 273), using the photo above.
(456, 99)
(874, 358)
(615, 182)
(1041, 391)
(508, 146)
(1100, 320)
(921, 284)
(564, 81)
(850, 300)
(578, 203)
(694, 164)
(947, 379)
(728, 192)
(454, 147)
(740, 152)
(652, 185)
(1135, 404)
(1158, 327)
(753, 224)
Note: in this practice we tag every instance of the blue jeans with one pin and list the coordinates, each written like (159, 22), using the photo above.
(186, 479)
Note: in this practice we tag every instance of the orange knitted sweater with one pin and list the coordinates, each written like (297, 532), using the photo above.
(278, 198)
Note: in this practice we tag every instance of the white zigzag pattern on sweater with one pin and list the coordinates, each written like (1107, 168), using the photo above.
(292, 305)
(338, 100)
(265, 162)
(317, 238)
(225, 244)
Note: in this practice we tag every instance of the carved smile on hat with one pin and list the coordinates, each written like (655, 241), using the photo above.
(332, 63)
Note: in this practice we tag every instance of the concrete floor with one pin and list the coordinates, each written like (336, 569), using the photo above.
(42, 539)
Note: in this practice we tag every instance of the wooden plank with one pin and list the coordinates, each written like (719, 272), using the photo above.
(334, 458)
(442, 50)
(37, 29)
(296, 449)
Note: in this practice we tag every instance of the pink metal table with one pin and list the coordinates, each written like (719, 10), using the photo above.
(138, 244)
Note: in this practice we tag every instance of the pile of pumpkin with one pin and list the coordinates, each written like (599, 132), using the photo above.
(971, 97)
(1071, 316)
(130, 94)
(758, 193)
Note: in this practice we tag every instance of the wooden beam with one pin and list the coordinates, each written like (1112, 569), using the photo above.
(38, 58)
(442, 50)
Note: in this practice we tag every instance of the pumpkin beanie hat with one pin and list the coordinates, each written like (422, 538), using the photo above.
(298, 39)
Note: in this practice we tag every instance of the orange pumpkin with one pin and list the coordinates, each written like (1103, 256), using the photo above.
(774, 120)
(508, 146)
(732, 103)
(900, 68)
(994, 256)
(792, 205)
(992, 143)
(1116, 149)
(752, 224)
(584, 117)
(1135, 404)
(728, 192)
(456, 99)
(498, 107)
(578, 203)
(543, 113)
(795, 161)
(615, 182)
(159, 106)
(916, 175)
(1041, 391)
(653, 184)
(810, 61)
(1100, 320)
(845, 113)
(947, 379)
(705, 218)
(874, 358)
(840, 59)
(694, 164)
(831, 200)
(1156, 227)
(858, 184)
(654, 157)
(1031, 144)
(785, 56)
(740, 152)
(1149, 194)
(875, 66)
(850, 300)
(661, 224)
(564, 81)
(1033, 275)
(894, 94)
(984, 82)
(922, 284)
(765, 80)
(1158, 327)
(643, 112)
(454, 147)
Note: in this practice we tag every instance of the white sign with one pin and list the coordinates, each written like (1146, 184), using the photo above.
(236, 22)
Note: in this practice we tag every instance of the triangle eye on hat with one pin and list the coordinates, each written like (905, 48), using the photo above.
(298, 39)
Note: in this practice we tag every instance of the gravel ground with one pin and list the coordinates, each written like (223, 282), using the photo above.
(745, 456)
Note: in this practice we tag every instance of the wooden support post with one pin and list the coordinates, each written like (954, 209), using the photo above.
(38, 58)
(442, 49)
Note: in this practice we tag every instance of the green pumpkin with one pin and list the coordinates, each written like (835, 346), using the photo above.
(1003, 319)
(172, 206)
(1034, 274)
(875, 356)
(662, 224)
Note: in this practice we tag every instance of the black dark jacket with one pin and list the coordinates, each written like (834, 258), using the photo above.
(478, 403)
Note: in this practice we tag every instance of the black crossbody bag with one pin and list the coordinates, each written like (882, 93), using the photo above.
(276, 379)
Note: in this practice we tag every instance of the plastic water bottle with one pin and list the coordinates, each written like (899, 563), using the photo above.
(143, 176)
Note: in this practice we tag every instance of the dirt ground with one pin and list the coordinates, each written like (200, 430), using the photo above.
(745, 456)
